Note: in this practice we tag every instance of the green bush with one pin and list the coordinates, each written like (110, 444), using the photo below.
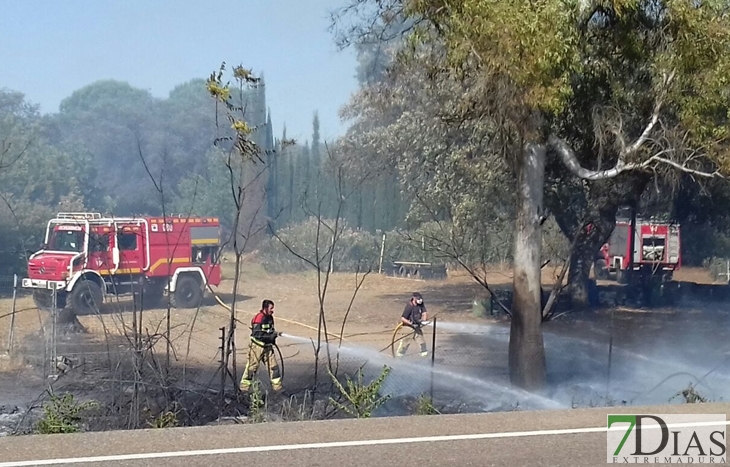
(432, 242)
(703, 243)
(355, 249)
(360, 399)
(62, 414)
(440, 242)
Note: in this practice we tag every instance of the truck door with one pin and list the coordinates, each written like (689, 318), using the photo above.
(205, 250)
(131, 243)
(100, 256)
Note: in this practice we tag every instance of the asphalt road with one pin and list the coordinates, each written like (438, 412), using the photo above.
(536, 438)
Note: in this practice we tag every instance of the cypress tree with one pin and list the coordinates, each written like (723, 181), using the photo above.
(316, 162)
(305, 185)
(272, 187)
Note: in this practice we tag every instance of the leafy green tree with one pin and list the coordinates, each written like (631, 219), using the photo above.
(208, 192)
(36, 181)
(290, 153)
(187, 125)
(654, 72)
(114, 123)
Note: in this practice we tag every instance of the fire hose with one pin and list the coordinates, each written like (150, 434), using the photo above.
(391, 345)
(408, 335)
(275, 347)
(221, 303)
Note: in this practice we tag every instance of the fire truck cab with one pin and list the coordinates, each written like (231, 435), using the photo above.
(656, 250)
(86, 257)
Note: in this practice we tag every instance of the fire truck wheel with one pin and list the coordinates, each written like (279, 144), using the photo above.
(188, 293)
(600, 270)
(621, 276)
(86, 297)
(43, 300)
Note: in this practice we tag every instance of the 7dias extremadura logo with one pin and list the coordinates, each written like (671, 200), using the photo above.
(666, 439)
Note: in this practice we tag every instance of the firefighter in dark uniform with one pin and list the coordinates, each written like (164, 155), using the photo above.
(413, 316)
(263, 337)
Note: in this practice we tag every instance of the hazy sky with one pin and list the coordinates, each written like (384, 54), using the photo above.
(50, 48)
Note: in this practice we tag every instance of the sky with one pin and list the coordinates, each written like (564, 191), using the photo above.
(48, 49)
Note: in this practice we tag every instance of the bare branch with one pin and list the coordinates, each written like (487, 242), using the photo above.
(158, 187)
(452, 250)
(667, 81)
(571, 162)
(6, 152)
(685, 169)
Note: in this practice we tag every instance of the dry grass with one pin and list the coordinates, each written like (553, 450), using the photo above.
(371, 321)
(372, 318)
(698, 275)
(27, 319)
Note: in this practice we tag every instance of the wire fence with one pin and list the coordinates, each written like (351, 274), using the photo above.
(449, 374)
(135, 363)
(140, 364)
(8, 308)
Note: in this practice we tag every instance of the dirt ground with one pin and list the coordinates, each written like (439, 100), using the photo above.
(470, 365)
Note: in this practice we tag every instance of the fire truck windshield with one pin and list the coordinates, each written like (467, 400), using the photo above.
(67, 240)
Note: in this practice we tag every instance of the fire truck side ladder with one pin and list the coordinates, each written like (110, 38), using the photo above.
(79, 215)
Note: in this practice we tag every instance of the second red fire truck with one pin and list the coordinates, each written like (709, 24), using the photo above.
(87, 257)
(656, 250)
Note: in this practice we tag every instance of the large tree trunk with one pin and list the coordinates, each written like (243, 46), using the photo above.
(602, 218)
(597, 206)
(526, 350)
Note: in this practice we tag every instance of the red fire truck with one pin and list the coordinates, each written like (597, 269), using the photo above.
(87, 257)
(656, 250)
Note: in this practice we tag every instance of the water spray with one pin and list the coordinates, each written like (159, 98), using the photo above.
(372, 354)
(471, 328)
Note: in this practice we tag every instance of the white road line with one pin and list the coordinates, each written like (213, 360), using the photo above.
(334, 444)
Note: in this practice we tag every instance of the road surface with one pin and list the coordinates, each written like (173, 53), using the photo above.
(536, 438)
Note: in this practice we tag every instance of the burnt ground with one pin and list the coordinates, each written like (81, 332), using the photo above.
(656, 352)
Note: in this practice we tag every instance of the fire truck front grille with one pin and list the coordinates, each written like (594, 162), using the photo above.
(37, 270)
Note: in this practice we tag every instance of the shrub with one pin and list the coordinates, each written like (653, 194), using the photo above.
(424, 406)
(690, 395)
(62, 414)
(432, 242)
(354, 249)
(360, 399)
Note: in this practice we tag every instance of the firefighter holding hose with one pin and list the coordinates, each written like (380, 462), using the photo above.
(413, 316)
(263, 338)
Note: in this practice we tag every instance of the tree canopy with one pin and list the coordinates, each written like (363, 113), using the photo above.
(600, 97)
(654, 72)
